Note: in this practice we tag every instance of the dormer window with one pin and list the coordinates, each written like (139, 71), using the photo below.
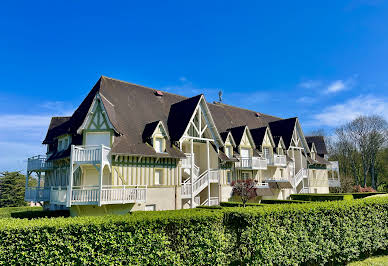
(63, 143)
(159, 145)
(266, 152)
(313, 155)
(280, 151)
(228, 151)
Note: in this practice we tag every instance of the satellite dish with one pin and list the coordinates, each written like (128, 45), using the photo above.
(220, 96)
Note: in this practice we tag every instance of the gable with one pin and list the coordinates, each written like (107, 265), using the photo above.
(246, 140)
(97, 118)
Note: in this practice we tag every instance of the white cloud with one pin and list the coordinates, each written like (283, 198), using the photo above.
(336, 86)
(310, 84)
(17, 121)
(339, 114)
(306, 99)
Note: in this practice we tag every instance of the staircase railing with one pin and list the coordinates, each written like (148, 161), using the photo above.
(302, 173)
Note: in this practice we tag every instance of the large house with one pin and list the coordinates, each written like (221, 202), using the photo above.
(129, 147)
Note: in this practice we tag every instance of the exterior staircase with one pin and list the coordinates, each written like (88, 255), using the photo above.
(298, 179)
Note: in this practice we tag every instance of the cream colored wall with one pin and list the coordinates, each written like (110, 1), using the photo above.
(245, 143)
(164, 198)
(90, 176)
(225, 193)
(321, 179)
(126, 173)
(93, 210)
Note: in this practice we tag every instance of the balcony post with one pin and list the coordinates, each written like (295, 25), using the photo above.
(208, 170)
(101, 176)
(27, 177)
(70, 183)
(192, 172)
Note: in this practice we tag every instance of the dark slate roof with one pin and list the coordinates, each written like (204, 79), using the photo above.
(276, 140)
(283, 128)
(319, 142)
(237, 133)
(58, 126)
(258, 135)
(224, 135)
(321, 160)
(149, 129)
(131, 108)
(179, 116)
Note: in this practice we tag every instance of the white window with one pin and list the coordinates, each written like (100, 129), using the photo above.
(158, 176)
(65, 143)
(229, 177)
(245, 175)
(228, 151)
(266, 153)
(98, 138)
(150, 207)
(244, 152)
(158, 145)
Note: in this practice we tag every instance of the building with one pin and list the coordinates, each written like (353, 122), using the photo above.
(128, 147)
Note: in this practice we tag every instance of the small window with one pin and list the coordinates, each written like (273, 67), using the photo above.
(244, 152)
(266, 153)
(229, 177)
(245, 175)
(158, 177)
(158, 145)
(228, 151)
(150, 207)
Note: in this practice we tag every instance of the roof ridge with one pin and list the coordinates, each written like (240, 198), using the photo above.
(241, 108)
(144, 87)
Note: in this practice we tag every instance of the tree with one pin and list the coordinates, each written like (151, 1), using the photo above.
(12, 189)
(245, 189)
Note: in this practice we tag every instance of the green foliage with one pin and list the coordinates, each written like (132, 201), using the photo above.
(12, 188)
(321, 197)
(289, 234)
(209, 207)
(240, 204)
(274, 201)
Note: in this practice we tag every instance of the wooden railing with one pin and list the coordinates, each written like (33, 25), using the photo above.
(39, 163)
(213, 175)
(280, 160)
(186, 163)
(91, 154)
(213, 201)
(58, 195)
(37, 194)
(85, 194)
(302, 173)
(251, 163)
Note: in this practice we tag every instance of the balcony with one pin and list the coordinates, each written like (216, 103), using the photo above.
(91, 154)
(253, 163)
(37, 194)
(38, 163)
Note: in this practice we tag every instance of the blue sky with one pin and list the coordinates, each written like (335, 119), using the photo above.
(323, 62)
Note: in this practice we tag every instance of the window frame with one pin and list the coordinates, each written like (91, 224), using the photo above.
(161, 176)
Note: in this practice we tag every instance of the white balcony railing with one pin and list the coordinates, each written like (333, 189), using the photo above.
(213, 175)
(39, 163)
(91, 154)
(85, 195)
(280, 160)
(213, 201)
(58, 195)
(251, 163)
(37, 194)
(262, 185)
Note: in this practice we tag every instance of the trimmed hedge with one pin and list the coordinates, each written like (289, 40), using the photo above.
(31, 213)
(311, 233)
(362, 195)
(240, 204)
(321, 197)
(273, 201)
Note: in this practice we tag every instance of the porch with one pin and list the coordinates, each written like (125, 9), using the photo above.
(251, 163)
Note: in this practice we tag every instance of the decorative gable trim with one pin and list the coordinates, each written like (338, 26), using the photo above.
(269, 134)
(97, 118)
(247, 132)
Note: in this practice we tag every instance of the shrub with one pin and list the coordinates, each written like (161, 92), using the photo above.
(310, 233)
(244, 189)
(274, 201)
(321, 197)
(209, 207)
(240, 204)
(363, 189)
(31, 213)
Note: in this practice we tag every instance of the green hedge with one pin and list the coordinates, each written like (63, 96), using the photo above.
(361, 195)
(311, 233)
(321, 197)
(282, 201)
(240, 204)
(30, 213)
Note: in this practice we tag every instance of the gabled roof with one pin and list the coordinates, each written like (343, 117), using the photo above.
(131, 107)
(180, 115)
(225, 135)
(283, 128)
(319, 142)
(58, 126)
(238, 133)
(279, 140)
(258, 135)
(150, 128)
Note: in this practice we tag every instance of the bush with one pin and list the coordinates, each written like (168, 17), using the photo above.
(209, 207)
(311, 233)
(321, 197)
(363, 189)
(240, 204)
(273, 201)
(366, 194)
(31, 213)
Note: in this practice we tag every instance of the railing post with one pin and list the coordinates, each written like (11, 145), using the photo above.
(192, 172)
(208, 169)
(101, 177)
(70, 184)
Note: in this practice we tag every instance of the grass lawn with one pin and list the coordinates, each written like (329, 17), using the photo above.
(375, 261)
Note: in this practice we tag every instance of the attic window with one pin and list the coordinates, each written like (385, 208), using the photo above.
(158, 93)
(258, 114)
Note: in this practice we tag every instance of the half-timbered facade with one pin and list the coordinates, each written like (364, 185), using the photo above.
(128, 147)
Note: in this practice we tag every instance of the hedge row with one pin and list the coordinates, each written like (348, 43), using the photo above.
(240, 204)
(30, 213)
(321, 197)
(311, 233)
